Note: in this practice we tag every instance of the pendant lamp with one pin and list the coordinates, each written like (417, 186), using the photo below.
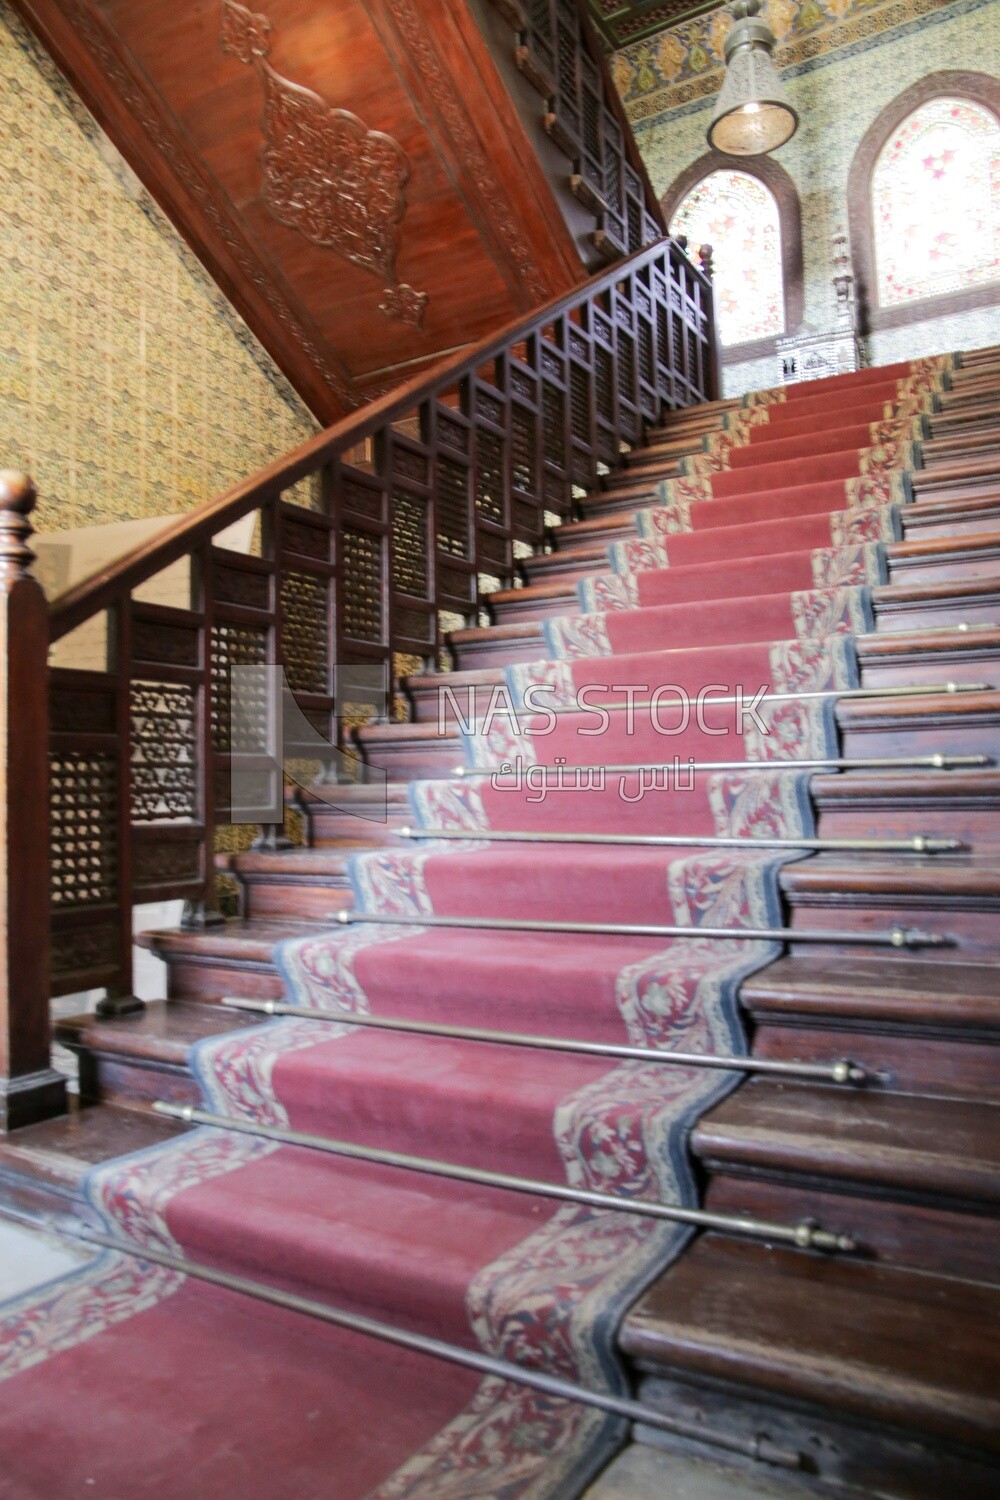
(754, 114)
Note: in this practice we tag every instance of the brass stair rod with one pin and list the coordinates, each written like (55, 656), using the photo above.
(936, 762)
(760, 1448)
(963, 627)
(919, 844)
(840, 1071)
(908, 690)
(895, 937)
(806, 1235)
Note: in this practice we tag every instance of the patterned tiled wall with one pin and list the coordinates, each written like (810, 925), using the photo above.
(128, 386)
(843, 62)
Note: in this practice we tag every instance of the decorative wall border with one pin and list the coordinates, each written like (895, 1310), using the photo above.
(795, 60)
(458, 129)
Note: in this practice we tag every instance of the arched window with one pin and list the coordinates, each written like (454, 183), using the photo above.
(738, 215)
(935, 203)
(923, 202)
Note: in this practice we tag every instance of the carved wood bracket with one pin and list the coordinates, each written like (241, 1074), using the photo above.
(325, 173)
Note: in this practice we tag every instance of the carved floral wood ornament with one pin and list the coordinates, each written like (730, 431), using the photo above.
(325, 173)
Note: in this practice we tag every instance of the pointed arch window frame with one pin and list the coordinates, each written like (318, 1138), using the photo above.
(784, 192)
(977, 88)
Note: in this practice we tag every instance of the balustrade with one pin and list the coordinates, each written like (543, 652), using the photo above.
(371, 541)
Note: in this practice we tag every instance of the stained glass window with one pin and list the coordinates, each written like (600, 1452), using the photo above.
(738, 216)
(935, 195)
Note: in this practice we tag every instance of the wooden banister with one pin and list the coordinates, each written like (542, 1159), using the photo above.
(29, 1088)
(349, 588)
(93, 594)
(599, 55)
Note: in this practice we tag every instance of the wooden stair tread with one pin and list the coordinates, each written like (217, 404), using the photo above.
(540, 591)
(942, 877)
(164, 1032)
(933, 707)
(425, 682)
(924, 707)
(954, 994)
(890, 1346)
(885, 596)
(250, 941)
(58, 1152)
(891, 1142)
(515, 631)
(327, 861)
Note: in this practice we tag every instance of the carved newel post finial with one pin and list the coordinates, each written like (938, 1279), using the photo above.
(705, 254)
(17, 501)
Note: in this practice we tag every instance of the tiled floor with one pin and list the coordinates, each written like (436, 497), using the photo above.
(642, 1473)
(28, 1259)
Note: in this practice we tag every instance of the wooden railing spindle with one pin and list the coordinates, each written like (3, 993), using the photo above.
(424, 494)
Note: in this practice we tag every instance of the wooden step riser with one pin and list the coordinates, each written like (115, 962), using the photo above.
(134, 1083)
(572, 564)
(916, 1233)
(904, 1223)
(442, 702)
(908, 614)
(916, 1060)
(576, 557)
(867, 732)
(976, 827)
(566, 539)
(617, 506)
(277, 896)
(513, 610)
(632, 488)
(844, 810)
(974, 559)
(28, 1197)
(937, 608)
(864, 1460)
(975, 932)
(329, 828)
(977, 562)
(333, 825)
(207, 978)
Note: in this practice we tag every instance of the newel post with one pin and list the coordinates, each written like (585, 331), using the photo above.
(706, 260)
(30, 1089)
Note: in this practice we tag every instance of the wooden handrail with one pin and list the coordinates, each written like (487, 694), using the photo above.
(347, 592)
(94, 594)
(633, 155)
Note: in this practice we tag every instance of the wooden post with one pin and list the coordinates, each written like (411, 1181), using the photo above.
(30, 1089)
(714, 354)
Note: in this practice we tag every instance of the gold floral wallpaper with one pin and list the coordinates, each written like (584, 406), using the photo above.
(128, 385)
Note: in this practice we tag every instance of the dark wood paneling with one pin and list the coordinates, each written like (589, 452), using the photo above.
(479, 233)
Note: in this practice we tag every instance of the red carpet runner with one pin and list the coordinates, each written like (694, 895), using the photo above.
(130, 1381)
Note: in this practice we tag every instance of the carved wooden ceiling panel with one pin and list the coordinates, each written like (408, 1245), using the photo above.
(623, 21)
(353, 174)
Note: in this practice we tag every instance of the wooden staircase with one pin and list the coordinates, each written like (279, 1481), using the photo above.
(875, 1367)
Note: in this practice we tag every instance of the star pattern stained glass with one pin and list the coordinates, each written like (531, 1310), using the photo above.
(935, 195)
(738, 216)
